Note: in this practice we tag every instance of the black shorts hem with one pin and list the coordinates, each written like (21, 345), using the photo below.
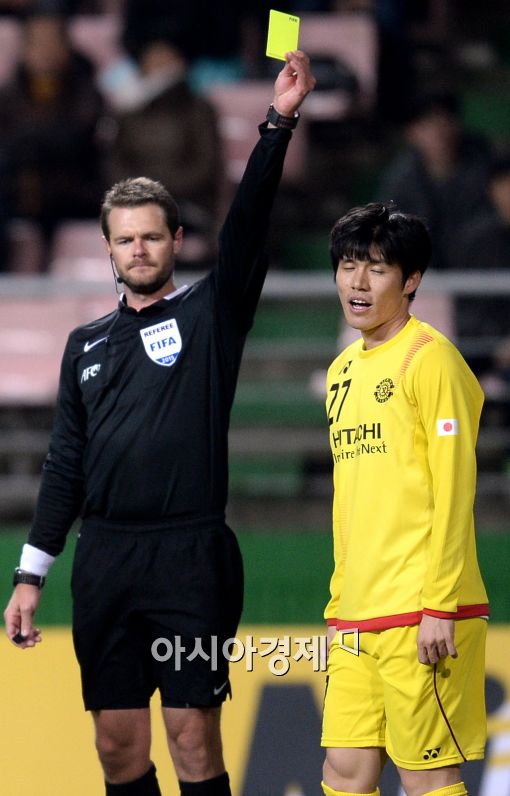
(132, 706)
(213, 702)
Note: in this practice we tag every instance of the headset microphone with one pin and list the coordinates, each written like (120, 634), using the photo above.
(118, 279)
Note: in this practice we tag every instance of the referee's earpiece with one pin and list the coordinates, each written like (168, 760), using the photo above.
(118, 279)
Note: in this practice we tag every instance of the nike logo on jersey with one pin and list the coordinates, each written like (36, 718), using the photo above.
(88, 346)
(217, 691)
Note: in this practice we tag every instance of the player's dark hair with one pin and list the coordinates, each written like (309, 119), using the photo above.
(380, 230)
(135, 192)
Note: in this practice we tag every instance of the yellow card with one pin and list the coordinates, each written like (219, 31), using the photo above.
(282, 34)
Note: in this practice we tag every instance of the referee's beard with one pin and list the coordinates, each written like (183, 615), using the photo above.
(148, 288)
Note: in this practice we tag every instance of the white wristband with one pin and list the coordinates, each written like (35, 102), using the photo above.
(34, 560)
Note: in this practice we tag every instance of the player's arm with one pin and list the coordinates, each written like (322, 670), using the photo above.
(336, 581)
(449, 402)
(335, 585)
(59, 501)
(242, 263)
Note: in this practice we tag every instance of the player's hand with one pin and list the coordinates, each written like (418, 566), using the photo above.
(19, 615)
(435, 639)
(293, 83)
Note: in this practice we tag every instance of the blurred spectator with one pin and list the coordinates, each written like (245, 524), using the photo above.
(484, 244)
(167, 132)
(209, 34)
(202, 28)
(48, 117)
(23, 7)
(496, 382)
(441, 173)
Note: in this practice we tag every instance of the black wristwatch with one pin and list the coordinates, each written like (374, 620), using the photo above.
(287, 122)
(20, 576)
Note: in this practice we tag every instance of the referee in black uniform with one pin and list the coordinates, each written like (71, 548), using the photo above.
(139, 450)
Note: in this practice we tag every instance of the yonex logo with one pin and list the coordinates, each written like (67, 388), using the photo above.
(90, 372)
(431, 754)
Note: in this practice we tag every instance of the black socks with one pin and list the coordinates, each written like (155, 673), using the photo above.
(217, 786)
(144, 786)
(148, 786)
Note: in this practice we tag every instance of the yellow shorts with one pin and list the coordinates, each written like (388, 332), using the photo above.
(425, 716)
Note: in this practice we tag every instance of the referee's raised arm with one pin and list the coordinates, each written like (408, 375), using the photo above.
(243, 235)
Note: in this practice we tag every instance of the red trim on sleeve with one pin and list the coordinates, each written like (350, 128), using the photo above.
(409, 619)
(331, 621)
(380, 622)
(439, 614)
(464, 612)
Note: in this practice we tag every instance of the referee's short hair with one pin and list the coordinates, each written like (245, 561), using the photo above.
(397, 238)
(135, 192)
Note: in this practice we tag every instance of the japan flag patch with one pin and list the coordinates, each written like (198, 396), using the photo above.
(448, 427)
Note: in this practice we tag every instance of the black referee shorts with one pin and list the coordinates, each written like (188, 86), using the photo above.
(152, 609)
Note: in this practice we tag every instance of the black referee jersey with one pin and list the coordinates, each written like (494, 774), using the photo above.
(141, 426)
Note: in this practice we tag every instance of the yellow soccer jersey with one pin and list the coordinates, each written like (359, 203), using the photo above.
(403, 420)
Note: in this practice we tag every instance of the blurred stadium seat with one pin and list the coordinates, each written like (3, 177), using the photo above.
(97, 36)
(349, 37)
(10, 38)
(33, 333)
(79, 252)
(437, 309)
(26, 247)
(241, 107)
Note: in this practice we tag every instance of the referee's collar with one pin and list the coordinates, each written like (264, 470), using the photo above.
(156, 305)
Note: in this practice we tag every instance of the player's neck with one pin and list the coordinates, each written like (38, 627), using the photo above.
(381, 334)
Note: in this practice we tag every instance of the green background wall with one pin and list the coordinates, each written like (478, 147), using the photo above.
(287, 576)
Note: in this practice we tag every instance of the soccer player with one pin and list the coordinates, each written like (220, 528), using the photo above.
(408, 608)
(139, 449)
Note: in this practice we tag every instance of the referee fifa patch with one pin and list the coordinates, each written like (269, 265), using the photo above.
(162, 342)
(448, 427)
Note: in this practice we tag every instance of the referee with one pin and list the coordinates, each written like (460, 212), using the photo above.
(139, 450)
